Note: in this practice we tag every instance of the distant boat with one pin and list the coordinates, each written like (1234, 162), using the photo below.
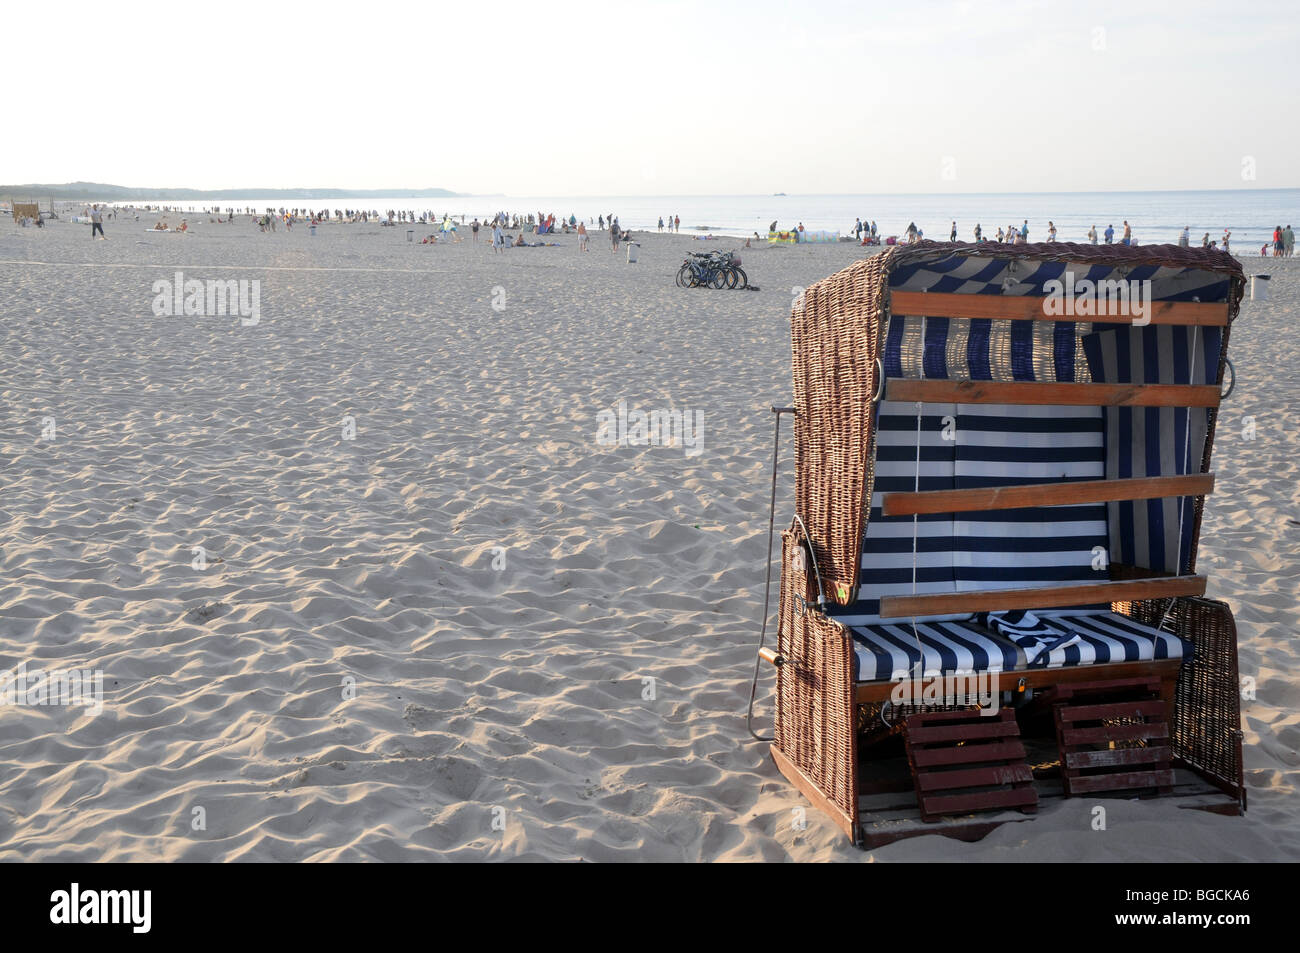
(778, 194)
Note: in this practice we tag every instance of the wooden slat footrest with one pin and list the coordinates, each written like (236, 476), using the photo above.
(1116, 745)
(964, 761)
(1111, 689)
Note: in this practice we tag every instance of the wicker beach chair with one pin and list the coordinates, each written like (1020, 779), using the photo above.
(980, 449)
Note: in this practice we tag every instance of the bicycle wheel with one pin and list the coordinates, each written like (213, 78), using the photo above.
(718, 279)
(684, 275)
(732, 277)
(742, 279)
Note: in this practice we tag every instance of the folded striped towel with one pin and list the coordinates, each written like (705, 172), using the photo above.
(1038, 637)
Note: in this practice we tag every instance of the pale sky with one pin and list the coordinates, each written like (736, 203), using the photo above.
(552, 97)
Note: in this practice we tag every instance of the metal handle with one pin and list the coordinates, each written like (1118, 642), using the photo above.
(1232, 386)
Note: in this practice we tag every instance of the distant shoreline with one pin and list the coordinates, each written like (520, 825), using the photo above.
(100, 192)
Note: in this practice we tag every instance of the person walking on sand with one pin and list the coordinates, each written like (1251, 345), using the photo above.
(97, 223)
(661, 223)
(1185, 237)
(1128, 233)
(677, 223)
(473, 227)
(582, 236)
(952, 237)
(1092, 234)
(1110, 234)
(613, 235)
(1227, 235)
(1051, 230)
(498, 238)
(1288, 241)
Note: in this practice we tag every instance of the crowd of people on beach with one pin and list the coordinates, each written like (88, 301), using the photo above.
(1282, 243)
(865, 231)
(543, 223)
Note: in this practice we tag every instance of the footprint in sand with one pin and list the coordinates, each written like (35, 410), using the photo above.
(207, 612)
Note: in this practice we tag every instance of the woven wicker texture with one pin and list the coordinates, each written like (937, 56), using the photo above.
(1205, 732)
(814, 686)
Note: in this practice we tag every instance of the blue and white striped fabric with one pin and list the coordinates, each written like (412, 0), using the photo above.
(966, 273)
(985, 350)
(887, 652)
(887, 548)
(1034, 635)
(962, 349)
(1005, 445)
(1153, 441)
(1106, 637)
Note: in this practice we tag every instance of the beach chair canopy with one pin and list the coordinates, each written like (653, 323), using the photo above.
(962, 368)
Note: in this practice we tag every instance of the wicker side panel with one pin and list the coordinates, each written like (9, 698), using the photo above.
(836, 328)
(1206, 729)
(815, 701)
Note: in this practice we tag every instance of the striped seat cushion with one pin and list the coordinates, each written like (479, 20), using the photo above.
(1000, 445)
(1112, 637)
(888, 652)
(1109, 637)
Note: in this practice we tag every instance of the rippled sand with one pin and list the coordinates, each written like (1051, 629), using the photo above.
(435, 639)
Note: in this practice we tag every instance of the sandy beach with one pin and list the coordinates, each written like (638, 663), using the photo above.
(364, 584)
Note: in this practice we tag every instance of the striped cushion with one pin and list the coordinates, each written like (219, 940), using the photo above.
(887, 549)
(887, 652)
(1033, 546)
(1109, 637)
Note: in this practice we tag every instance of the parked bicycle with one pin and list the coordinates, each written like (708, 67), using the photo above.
(713, 269)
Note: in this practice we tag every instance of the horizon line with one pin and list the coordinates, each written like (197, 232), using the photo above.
(399, 192)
